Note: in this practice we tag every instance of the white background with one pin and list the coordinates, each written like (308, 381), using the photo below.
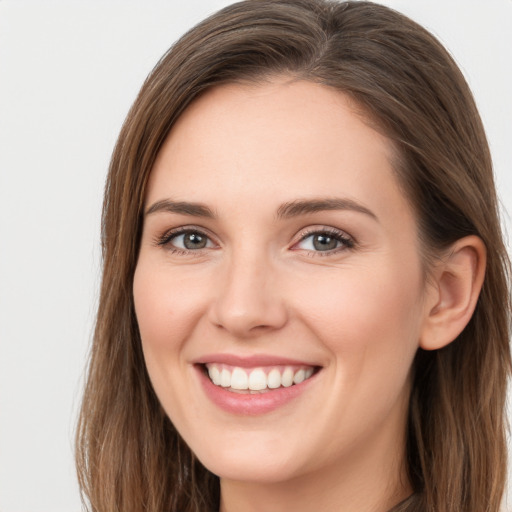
(69, 71)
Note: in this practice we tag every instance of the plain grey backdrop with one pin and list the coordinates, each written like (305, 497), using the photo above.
(69, 71)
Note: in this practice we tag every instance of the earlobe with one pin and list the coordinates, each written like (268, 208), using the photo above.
(453, 293)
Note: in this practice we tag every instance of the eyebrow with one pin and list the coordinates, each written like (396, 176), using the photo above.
(303, 207)
(285, 211)
(181, 207)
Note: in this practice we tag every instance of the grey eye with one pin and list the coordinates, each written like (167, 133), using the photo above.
(324, 242)
(194, 241)
(191, 240)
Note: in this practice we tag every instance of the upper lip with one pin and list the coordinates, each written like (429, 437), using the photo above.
(251, 361)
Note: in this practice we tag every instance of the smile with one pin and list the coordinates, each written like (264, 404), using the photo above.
(254, 385)
(257, 380)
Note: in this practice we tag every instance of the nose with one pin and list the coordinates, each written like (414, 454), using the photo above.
(249, 300)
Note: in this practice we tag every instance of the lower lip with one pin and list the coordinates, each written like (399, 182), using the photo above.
(247, 404)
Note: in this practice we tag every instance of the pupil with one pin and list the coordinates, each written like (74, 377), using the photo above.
(194, 241)
(324, 242)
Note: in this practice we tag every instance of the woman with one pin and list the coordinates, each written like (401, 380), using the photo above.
(304, 302)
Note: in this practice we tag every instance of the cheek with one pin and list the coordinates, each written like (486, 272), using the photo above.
(367, 317)
(167, 309)
(166, 306)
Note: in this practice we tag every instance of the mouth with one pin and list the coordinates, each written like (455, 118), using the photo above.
(257, 380)
(255, 384)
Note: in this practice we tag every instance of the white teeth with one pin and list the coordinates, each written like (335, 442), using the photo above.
(274, 379)
(214, 374)
(299, 377)
(240, 379)
(257, 380)
(225, 378)
(287, 378)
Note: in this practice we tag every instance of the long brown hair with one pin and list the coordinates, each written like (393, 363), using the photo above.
(129, 455)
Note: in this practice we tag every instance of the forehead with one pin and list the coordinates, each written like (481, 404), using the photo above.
(280, 139)
(300, 111)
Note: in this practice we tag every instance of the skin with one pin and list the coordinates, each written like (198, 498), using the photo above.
(259, 286)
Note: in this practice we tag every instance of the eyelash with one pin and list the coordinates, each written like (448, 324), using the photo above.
(345, 240)
(166, 240)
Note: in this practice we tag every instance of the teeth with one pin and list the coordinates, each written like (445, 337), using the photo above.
(214, 374)
(287, 378)
(257, 380)
(299, 377)
(225, 378)
(240, 379)
(274, 379)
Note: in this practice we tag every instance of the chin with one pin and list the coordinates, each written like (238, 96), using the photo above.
(256, 470)
(255, 458)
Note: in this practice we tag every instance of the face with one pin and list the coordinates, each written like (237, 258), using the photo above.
(279, 288)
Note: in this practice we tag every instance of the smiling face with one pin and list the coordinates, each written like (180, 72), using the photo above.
(279, 254)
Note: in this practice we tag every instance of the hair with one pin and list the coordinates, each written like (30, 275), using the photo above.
(129, 455)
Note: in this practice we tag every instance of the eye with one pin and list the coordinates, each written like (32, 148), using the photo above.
(324, 241)
(186, 240)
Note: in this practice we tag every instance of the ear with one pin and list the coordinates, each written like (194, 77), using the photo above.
(453, 292)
